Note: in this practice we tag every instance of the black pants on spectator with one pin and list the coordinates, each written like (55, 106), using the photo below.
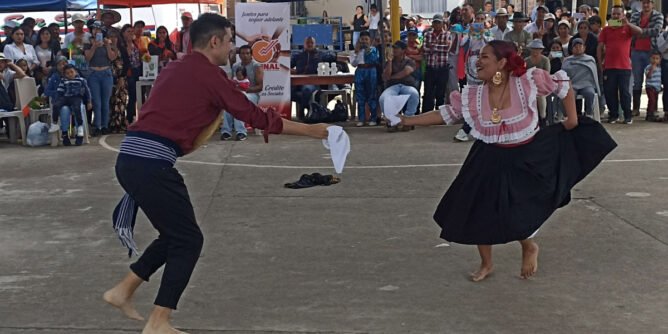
(617, 89)
(74, 102)
(664, 82)
(435, 82)
(161, 193)
(132, 94)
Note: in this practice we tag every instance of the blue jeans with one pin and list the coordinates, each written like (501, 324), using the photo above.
(588, 95)
(100, 84)
(617, 85)
(356, 36)
(639, 61)
(401, 89)
(65, 113)
(229, 121)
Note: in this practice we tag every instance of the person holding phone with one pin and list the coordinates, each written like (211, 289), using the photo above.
(612, 53)
(99, 56)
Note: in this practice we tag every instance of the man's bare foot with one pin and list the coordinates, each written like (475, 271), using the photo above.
(529, 259)
(124, 303)
(484, 271)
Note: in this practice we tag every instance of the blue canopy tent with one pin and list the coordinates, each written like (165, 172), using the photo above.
(46, 5)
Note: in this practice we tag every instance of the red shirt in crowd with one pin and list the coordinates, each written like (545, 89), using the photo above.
(187, 97)
(617, 47)
(643, 43)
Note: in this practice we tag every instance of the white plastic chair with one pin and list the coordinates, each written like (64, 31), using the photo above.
(15, 118)
(596, 112)
(83, 117)
(26, 91)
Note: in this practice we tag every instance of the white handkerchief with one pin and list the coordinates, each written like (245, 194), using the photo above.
(338, 144)
(392, 106)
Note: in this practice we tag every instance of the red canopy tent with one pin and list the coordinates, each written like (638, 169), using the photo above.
(146, 3)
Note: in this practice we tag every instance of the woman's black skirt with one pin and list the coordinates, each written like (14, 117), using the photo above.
(505, 194)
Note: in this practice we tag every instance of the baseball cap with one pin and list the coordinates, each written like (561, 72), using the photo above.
(187, 14)
(437, 18)
(578, 41)
(78, 18)
(412, 30)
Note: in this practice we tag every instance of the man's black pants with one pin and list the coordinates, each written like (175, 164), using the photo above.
(160, 192)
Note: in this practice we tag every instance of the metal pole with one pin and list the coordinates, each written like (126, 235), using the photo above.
(603, 12)
(65, 19)
(394, 17)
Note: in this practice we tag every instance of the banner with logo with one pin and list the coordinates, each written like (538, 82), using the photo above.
(266, 28)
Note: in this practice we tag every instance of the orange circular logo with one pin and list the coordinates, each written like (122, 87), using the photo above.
(264, 51)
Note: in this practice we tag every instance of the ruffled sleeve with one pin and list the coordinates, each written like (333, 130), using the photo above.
(452, 113)
(547, 84)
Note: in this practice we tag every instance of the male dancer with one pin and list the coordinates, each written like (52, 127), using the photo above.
(183, 110)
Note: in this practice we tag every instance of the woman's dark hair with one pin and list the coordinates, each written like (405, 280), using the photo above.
(455, 16)
(14, 31)
(360, 7)
(29, 71)
(122, 44)
(242, 70)
(207, 26)
(584, 22)
(39, 35)
(168, 42)
(557, 43)
(503, 49)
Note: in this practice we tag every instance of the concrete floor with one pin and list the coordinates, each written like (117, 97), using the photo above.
(362, 256)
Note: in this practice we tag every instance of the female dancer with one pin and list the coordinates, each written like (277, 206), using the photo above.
(516, 174)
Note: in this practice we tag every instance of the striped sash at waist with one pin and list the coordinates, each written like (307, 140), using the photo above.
(125, 213)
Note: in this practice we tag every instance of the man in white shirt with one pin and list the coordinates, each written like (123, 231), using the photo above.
(78, 22)
(499, 31)
(537, 27)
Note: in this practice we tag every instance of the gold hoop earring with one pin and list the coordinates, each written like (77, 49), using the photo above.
(497, 79)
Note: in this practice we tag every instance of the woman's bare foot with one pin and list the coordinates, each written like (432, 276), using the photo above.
(484, 271)
(164, 329)
(123, 302)
(158, 322)
(529, 258)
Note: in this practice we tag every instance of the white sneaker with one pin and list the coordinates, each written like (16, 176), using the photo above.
(359, 124)
(54, 127)
(373, 123)
(80, 131)
(461, 136)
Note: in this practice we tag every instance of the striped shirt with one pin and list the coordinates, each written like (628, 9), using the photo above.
(654, 27)
(653, 77)
(436, 48)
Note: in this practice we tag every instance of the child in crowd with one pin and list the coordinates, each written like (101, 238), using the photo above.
(23, 65)
(241, 78)
(366, 59)
(72, 91)
(653, 85)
